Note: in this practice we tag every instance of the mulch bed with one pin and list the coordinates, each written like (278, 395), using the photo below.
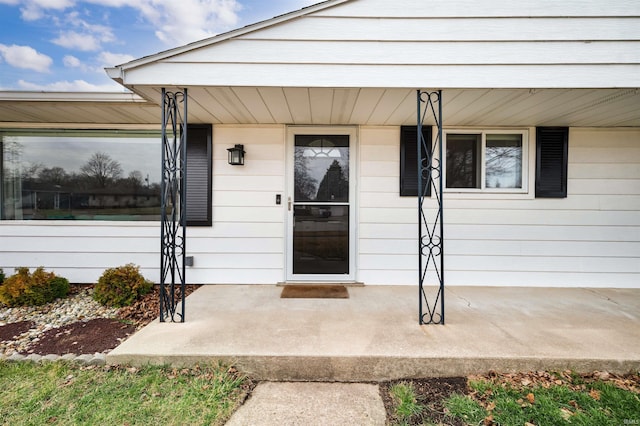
(97, 335)
(10, 331)
(431, 393)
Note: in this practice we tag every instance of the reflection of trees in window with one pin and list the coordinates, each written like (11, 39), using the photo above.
(334, 185)
(102, 169)
(73, 187)
(305, 185)
(504, 166)
(10, 158)
(462, 161)
(54, 175)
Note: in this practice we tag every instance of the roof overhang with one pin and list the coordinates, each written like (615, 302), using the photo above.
(327, 106)
(89, 109)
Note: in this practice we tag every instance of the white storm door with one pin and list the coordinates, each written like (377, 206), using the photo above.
(321, 225)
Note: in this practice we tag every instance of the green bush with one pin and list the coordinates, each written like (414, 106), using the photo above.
(121, 286)
(1, 276)
(32, 289)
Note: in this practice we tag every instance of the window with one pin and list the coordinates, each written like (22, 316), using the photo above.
(107, 175)
(493, 161)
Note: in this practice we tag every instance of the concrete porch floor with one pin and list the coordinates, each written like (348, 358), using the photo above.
(374, 335)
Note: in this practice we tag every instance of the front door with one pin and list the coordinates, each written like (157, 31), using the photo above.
(320, 234)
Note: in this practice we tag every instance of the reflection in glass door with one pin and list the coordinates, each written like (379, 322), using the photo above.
(321, 205)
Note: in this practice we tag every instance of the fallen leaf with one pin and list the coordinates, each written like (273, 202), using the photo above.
(531, 398)
(566, 414)
(595, 394)
(491, 406)
(488, 421)
(529, 424)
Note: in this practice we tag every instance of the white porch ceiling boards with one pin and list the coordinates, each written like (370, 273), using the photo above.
(323, 106)
(98, 109)
(370, 106)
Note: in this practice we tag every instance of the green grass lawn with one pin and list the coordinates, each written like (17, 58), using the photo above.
(66, 394)
(560, 399)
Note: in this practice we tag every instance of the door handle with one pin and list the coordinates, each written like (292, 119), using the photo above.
(289, 203)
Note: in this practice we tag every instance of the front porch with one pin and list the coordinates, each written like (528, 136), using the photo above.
(374, 335)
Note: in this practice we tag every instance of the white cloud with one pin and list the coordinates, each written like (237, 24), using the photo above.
(78, 41)
(176, 21)
(184, 21)
(70, 86)
(71, 62)
(109, 59)
(102, 32)
(35, 9)
(87, 37)
(25, 57)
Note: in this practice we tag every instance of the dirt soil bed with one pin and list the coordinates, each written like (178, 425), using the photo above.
(430, 393)
(94, 336)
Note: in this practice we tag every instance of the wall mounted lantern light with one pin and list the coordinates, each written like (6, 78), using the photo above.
(236, 155)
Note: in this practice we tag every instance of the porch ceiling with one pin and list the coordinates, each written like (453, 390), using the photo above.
(56, 109)
(330, 106)
(371, 106)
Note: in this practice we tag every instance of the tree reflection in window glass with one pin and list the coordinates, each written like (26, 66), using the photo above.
(503, 161)
(463, 170)
(80, 175)
(321, 168)
(321, 210)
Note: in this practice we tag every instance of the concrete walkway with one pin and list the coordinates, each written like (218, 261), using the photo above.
(374, 335)
(311, 403)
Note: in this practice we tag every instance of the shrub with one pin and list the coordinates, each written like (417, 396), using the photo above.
(121, 286)
(32, 289)
(1, 276)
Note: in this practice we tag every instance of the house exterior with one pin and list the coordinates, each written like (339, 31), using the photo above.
(323, 101)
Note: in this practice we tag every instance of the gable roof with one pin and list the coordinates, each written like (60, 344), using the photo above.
(414, 43)
(114, 72)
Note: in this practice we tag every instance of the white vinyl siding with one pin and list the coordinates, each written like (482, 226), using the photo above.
(449, 44)
(244, 245)
(591, 238)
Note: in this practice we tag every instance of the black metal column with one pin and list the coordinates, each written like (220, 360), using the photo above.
(430, 209)
(173, 236)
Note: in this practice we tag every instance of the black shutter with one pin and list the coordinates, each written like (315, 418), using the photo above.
(552, 151)
(199, 175)
(409, 160)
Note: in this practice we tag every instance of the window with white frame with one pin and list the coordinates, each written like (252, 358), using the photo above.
(492, 161)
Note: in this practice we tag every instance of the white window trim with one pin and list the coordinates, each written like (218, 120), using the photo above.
(528, 164)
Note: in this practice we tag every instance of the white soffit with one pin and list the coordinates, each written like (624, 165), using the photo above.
(385, 106)
(329, 106)
(86, 108)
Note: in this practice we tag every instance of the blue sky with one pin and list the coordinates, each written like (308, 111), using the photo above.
(64, 45)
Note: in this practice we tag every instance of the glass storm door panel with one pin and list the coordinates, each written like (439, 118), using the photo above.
(321, 210)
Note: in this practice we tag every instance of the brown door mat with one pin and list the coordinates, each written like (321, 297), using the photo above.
(305, 291)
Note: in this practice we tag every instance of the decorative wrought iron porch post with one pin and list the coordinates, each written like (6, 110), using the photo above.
(173, 236)
(430, 224)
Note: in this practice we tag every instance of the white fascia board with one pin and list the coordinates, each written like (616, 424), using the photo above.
(26, 96)
(118, 72)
